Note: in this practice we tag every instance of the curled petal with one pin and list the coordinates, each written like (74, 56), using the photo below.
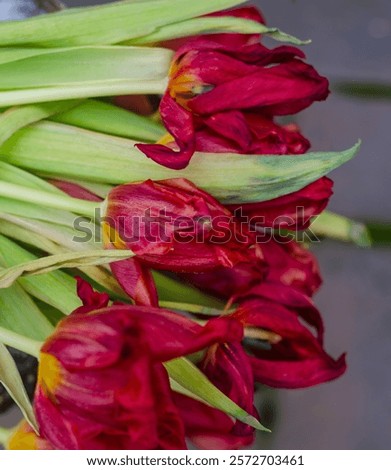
(291, 299)
(293, 211)
(297, 359)
(179, 123)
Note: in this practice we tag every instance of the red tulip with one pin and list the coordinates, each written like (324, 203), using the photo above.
(134, 277)
(171, 225)
(208, 78)
(101, 381)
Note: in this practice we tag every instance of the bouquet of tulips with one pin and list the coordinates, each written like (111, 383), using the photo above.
(156, 213)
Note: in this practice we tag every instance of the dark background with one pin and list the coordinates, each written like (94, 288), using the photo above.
(351, 41)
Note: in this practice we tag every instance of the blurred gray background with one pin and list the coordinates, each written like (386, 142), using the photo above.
(351, 41)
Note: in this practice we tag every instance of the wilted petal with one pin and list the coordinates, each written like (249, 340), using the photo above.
(136, 280)
(298, 358)
(291, 299)
(283, 89)
(293, 211)
(179, 123)
(75, 190)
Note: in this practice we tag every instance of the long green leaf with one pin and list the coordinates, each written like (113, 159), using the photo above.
(21, 234)
(58, 150)
(188, 376)
(341, 228)
(17, 176)
(20, 314)
(105, 24)
(56, 288)
(109, 119)
(66, 260)
(75, 66)
(35, 211)
(210, 25)
(12, 381)
(88, 89)
(34, 233)
(16, 118)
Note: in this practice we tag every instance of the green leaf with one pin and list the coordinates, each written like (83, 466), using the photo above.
(211, 25)
(12, 381)
(189, 377)
(341, 228)
(66, 220)
(100, 71)
(16, 118)
(10, 229)
(60, 261)
(108, 119)
(18, 313)
(17, 176)
(56, 289)
(67, 152)
(94, 64)
(366, 90)
(104, 24)
(41, 198)
(35, 211)
(34, 233)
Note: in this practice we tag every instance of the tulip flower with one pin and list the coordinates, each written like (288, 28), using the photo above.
(171, 225)
(208, 78)
(101, 382)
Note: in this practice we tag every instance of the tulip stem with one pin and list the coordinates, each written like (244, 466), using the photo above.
(193, 308)
(5, 435)
(48, 199)
(20, 342)
(341, 228)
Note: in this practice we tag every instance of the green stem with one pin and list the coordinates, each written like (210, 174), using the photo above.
(5, 435)
(47, 199)
(22, 343)
(341, 228)
(172, 290)
(192, 308)
(87, 90)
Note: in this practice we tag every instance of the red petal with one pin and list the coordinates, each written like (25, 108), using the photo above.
(298, 360)
(91, 299)
(292, 211)
(179, 124)
(136, 280)
(280, 90)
